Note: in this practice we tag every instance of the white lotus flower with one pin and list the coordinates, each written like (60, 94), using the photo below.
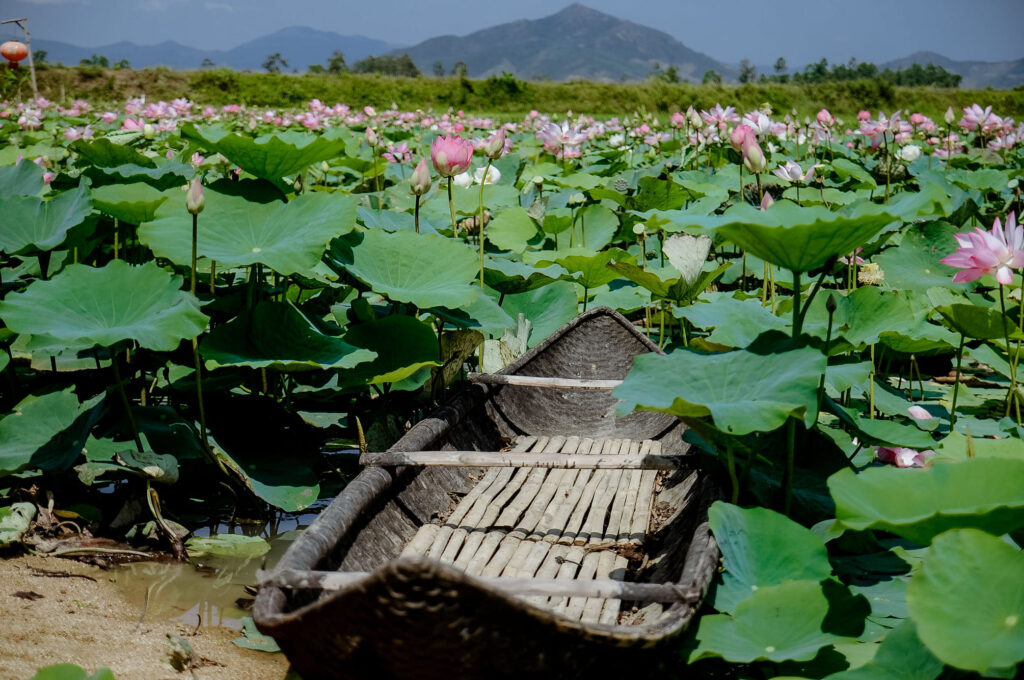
(493, 175)
(687, 254)
(463, 179)
(910, 153)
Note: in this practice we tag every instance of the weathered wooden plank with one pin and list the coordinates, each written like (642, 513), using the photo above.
(543, 381)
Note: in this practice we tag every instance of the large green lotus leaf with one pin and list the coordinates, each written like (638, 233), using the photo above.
(955, 446)
(887, 598)
(914, 264)
(654, 193)
(736, 323)
(482, 313)
(403, 345)
(761, 548)
(594, 228)
(901, 656)
(277, 335)
(284, 479)
(743, 392)
(104, 153)
(270, 156)
(288, 237)
(228, 545)
(847, 169)
(512, 230)
(868, 312)
(22, 179)
(982, 323)
(548, 308)
(587, 267)
(87, 306)
(512, 276)
(167, 176)
(983, 493)
(777, 623)
(46, 432)
(798, 238)
(428, 270)
(31, 223)
(132, 203)
(467, 200)
(968, 600)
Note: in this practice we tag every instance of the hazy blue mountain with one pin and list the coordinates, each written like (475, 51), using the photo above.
(575, 43)
(976, 74)
(300, 46)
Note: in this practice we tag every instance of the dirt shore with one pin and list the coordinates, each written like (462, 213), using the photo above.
(60, 611)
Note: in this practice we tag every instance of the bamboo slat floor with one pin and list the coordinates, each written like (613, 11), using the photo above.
(550, 523)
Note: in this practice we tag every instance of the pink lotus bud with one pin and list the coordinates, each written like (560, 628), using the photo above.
(918, 413)
(494, 147)
(693, 117)
(825, 118)
(738, 135)
(753, 156)
(195, 199)
(863, 115)
(419, 182)
(451, 155)
(917, 119)
(767, 201)
(677, 120)
(950, 116)
(371, 137)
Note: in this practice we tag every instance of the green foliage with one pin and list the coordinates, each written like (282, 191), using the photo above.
(387, 65)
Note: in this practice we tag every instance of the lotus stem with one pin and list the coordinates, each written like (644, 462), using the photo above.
(956, 381)
(195, 238)
(828, 347)
(1011, 393)
(416, 214)
(117, 228)
(871, 386)
(451, 207)
(124, 401)
(213, 277)
(730, 459)
(798, 319)
(787, 475)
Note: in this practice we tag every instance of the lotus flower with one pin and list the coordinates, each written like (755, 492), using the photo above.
(739, 135)
(493, 175)
(986, 252)
(753, 156)
(419, 182)
(497, 145)
(195, 199)
(975, 117)
(919, 413)
(555, 137)
(451, 155)
(901, 456)
(792, 172)
(825, 119)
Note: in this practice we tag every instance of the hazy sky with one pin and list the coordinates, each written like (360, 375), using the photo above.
(761, 30)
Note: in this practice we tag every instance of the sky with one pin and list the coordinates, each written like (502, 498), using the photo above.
(802, 31)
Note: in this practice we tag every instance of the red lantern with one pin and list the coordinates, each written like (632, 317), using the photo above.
(13, 51)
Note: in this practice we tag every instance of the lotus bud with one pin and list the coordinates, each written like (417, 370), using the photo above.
(419, 182)
(738, 135)
(825, 118)
(148, 131)
(693, 117)
(494, 147)
(324, 167)
(753, 156)
(830, 304)
(371, 137)
(767, 201)
(950, 116)
(195, 199)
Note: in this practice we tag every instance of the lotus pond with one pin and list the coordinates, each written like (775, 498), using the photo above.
(204, 312)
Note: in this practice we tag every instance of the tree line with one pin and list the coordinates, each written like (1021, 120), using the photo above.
(821, 71)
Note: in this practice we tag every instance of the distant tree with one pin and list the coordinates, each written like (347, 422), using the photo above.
(336, 64)
(207, 63)
(711, 77)
(781, 66)
(747, 72)
(274, 63)
(123, 64)
(39, 57)
(388, 65)
(459, 69)
(316, 68)
(671, 75)
(438, 69)
(96, 60)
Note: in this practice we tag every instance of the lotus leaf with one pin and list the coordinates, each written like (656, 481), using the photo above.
(512, 230)
(968, 601)
(46, 432)
(227, 545)
(762, 548)
(742, 391)
(901, 656)
(86, 307)
(105, 153)
(915, 265)
(167, 176)
(547, 308)
(270, 157)
(404, 266)
(776, 623)
(69, 671)
(736, 323)
(403, 345)
(22, 179)
(290, 238)
(31, 223)
(254, 639)
(132, 203)
(918, 504)
(509, 277)
(15, 521)
(277, 335)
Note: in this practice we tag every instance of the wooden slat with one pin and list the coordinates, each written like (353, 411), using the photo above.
(532, 587)
(610, 611)
(554, 461)
(593, 527)
(543, 381)
(579, 513)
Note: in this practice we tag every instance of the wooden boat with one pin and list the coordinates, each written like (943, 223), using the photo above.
(524, 528)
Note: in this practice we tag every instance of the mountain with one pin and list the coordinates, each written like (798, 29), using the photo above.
(976, 74)
(575, 43)
(299, 45)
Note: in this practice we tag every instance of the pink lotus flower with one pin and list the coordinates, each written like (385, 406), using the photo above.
(419, 181)
(902, 457)
(863, 115)
(398, 153)
(767, 201)
(997, 251)
(753, 156)
(108, 117)
(738, 135)
(555, 137)
(451, 155)
(919, 413)
(825, 119)
(497, 145)
(792, 172)
(677, 120)
(860, 260)
(975, 117)
(719, 116)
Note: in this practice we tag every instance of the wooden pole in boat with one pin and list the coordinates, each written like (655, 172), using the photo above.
(525, 587)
